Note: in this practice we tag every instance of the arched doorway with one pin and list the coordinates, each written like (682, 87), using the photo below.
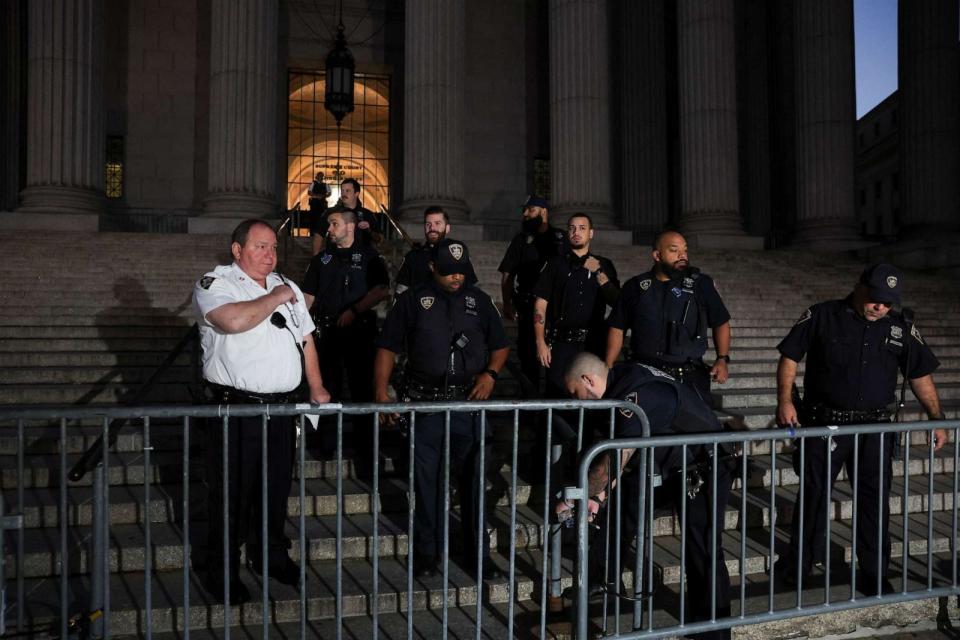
(362, 151)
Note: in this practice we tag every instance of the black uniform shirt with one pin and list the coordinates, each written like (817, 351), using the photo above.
(527, 254)
(338, 278)
(415, 269)
(425, 322)
(664, 318)
(575, 299)
(853, 362)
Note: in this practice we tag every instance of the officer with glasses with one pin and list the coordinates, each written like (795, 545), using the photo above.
(256, 336)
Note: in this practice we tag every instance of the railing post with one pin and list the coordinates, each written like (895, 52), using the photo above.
(96, 562)
(556, 529)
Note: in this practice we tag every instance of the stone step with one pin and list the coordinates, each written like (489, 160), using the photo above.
(49, 375)
(79, 358)
(172, 392)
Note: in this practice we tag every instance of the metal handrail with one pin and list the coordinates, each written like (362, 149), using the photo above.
(399, 227)
(94, 454)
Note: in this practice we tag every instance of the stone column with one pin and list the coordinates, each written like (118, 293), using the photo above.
(929, 115)
(65, 139)
(580, 110)
(709, 187)
(243, 100)
(433, 110)
(644, 163)
(753, 62)
(826, 119)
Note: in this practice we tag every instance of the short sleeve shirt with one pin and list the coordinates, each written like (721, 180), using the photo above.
(415, 269)
(852, 363)
(664, 317)
(574, 297)
(264, 359)
(338, 278)
(528, 252)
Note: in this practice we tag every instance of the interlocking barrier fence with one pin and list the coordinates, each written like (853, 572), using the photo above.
(634, 601)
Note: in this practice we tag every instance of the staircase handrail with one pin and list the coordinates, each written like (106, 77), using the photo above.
(399, 227)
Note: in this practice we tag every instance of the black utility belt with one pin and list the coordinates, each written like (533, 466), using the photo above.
(566, 334)
(677, 370)
(421, 390)
(231, 395)
(824, 415)
(330, 322)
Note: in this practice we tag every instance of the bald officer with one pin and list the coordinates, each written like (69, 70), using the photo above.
(257, 342)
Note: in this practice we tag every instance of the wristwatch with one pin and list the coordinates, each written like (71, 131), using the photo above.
(724, 357)
(493, 374)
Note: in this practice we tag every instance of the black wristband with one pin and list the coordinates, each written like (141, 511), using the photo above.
(725, 357)
(493, 374)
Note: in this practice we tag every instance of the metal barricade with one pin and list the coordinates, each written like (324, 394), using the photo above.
(93, 585)
(659, 611)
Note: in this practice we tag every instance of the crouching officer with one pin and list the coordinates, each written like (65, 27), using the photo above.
(456, 346)
(854, 349)
(342, 285)
(671, 408)
(668, 311)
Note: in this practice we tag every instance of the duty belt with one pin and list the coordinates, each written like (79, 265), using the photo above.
(822, 414)
(417, 389)
(230, 395)
(568, 334)
(678, 371)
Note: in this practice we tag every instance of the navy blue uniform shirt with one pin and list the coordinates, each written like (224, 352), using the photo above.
(852, 363)
(527, 254)
(664, 317)
(338, 278)
(425, 321)
(575, 298)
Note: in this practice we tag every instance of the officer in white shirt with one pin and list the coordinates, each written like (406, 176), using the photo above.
(256, 335)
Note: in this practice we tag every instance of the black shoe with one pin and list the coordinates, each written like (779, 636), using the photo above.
(424, 566)
(213, 585)
(867, 585)
(288, 573)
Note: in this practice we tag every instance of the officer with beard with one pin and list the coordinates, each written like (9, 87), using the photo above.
(520, 269)
(668, 311)
(415, 269)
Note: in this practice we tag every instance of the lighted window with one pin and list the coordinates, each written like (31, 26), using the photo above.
(114, 157)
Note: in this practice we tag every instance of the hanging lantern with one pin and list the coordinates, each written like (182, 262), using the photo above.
(338, 98)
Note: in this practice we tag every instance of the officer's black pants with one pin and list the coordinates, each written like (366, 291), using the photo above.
(244, 451)
(565, 423)
(699, 565)
(870, 519)
(429, 477)
(527, 345)
(349, 348)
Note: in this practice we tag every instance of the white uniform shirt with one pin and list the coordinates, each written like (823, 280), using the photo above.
(264, 359)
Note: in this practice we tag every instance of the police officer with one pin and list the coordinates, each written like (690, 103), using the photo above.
(668, 310)
(415, 269)
(370, 225)
(520, 268)
(256, 336)
(343, 284)
(855, 346)
(456, 346)
(670, 407)
(572, 295)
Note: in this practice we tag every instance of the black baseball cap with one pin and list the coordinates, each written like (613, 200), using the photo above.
(884, 283)
(534, 201)
(451, 256)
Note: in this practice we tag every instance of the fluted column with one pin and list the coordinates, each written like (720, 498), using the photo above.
(929, 114)
(243, 99)
(826, 118)
(643, 117)
(433, 108)
(65, 139)
(580, 110)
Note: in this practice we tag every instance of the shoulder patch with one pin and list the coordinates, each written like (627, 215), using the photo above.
(206, 281)
(326, 258)
(630, 397)
(645, 284)
(426, 302)
(916, 334)
(806, 315)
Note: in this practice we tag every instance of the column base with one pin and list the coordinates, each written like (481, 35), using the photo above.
(829, 236)
(233, 204)
(49, 221)
(718, 230)
(77, 201)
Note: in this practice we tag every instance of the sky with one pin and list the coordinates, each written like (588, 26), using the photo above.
(875, 39)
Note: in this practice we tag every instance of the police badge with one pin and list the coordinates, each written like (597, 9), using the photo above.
(896, 332)
(892, 282)
(326, 259)
(426, 302)
(645, 284)
(456, 250)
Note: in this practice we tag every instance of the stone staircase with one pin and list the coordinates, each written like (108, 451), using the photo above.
(91, 315)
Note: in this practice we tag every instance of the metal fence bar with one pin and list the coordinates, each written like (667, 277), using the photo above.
(411, 505)
(616, 549)
(301, 488)
(264, 544)
(929, 512)
(743, 530)
(904, 512)
(515, 441)
(481, 522)
(683, 536)
(226, 525)
(773, 522)
(446, 522)
(856, 492)
(800, 505)
(147, 539)
(828, 503)
(339, 552)
(714, 527)
(650, 510)
(104, 626)
(882, 467)
(20, 532)
(546, 527)
(606, 535)
(956, 489)
(638, 559)
(186, 526)
(375, 500)
(63, 529)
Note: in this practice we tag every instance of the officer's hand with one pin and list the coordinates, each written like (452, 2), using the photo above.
(786, 414)
(320, 396)
(509, 313)
(482, 387)
(591, 264)
(363, 225)
(346, 318)
(543, 353)
(718, 373)
(284, 294)
(388, 419)
(939, 438)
